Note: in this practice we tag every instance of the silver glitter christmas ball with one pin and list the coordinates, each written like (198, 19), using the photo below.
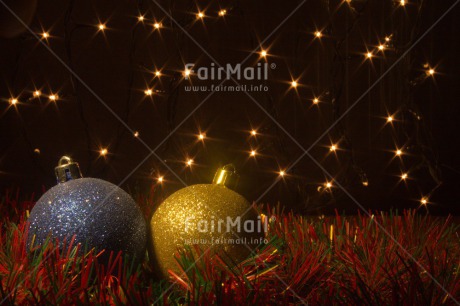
(100, 215)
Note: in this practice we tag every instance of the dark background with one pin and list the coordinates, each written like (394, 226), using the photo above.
(118, 66)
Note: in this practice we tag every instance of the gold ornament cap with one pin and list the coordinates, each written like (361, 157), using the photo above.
(227, 176)
(67, 170)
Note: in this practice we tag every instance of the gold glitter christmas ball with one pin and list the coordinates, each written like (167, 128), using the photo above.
(209, 215)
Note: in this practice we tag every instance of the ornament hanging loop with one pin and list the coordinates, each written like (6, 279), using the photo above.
(67, 170)
(226, 176)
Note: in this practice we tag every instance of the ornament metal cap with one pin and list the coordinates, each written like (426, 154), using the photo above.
(226, 176)
(67, 170)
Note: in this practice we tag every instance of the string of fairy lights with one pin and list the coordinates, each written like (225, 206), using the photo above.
(371, 54)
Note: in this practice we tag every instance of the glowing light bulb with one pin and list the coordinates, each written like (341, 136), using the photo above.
(387, 38)
(37, 93)
(13, 101)
(253, 153)
(157, 25)
(103, 152)
(187, 73)
(282, 173)
(369, 55)
(45, 35)
(200, 15)
(424, 201)
(201, 136)
(101, 27)
(328, 184)
(399, 152)
(294, 84)
(189, 162)
(157, 73)
(148, 92)
(222, 12)
(333, 148)
(263, 53)
(381, 47)
(136, 134)
(253, 132)
(53, 97)
(141, 18)
(315, 100)
(318, 34)
(402, 2)
(390, 119)
(404, 176)
(431, 71)
(160, 179)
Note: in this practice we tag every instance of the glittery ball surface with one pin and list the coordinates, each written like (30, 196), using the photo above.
(191, 216)
(100, 215)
